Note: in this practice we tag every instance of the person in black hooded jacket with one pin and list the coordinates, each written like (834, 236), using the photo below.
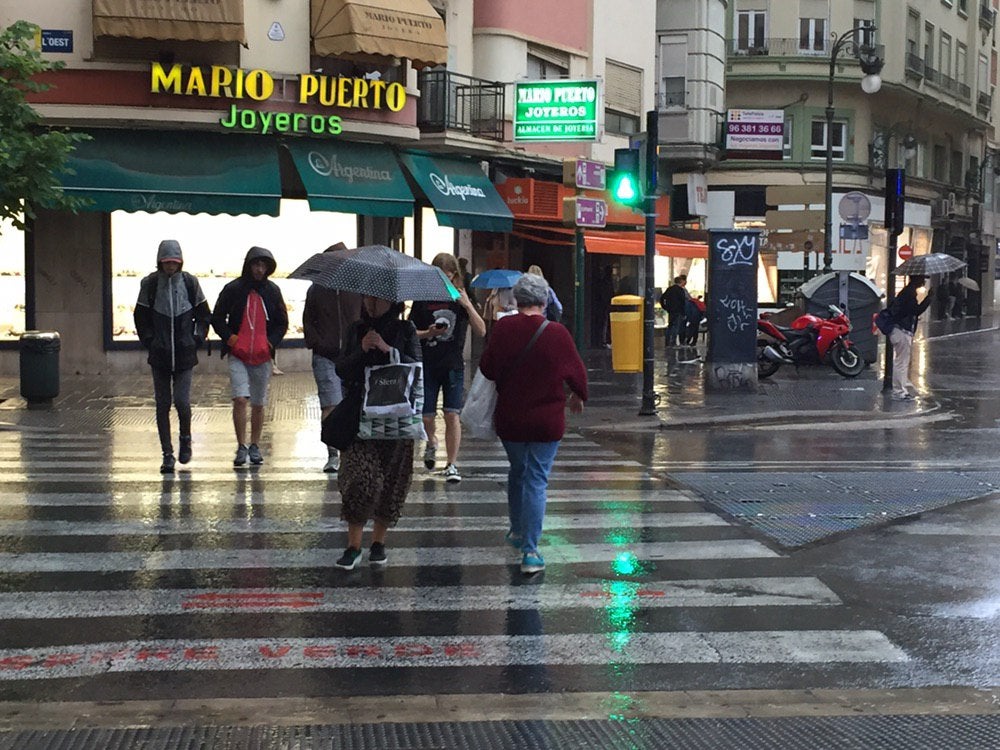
(243, 305)
(171, 320)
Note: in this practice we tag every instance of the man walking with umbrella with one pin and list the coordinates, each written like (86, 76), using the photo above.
(905, 310)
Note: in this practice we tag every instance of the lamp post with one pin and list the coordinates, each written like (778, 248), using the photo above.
(871, 66)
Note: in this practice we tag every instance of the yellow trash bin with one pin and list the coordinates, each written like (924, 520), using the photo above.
(626, 333)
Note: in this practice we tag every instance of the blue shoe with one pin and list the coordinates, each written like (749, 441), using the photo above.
(532, 562)
(514, 540)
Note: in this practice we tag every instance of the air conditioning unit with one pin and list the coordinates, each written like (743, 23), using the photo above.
(951, 198)
(942, 207)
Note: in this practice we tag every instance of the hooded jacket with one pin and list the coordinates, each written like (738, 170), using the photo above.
(171, 314)
(326, 317)
(228, 313)
(353, 360)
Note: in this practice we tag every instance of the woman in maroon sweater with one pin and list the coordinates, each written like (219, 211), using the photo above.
(530, 417)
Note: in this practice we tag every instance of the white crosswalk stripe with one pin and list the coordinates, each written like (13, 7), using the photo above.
(114, 556)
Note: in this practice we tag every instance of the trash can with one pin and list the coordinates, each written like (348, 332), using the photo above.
(39, 367)
(626, 333)
(863, 299)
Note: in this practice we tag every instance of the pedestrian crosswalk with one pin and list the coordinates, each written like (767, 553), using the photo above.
(115, 580)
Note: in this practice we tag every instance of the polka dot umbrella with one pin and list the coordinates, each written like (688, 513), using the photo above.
(377, 271)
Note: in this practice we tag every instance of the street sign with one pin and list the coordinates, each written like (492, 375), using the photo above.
(584, 173)
(585, 212)
(555, 110)
(905, 252)
(55, 40)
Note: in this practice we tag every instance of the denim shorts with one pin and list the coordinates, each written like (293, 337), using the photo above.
(249, 381)
(328, 383)
(451, 383)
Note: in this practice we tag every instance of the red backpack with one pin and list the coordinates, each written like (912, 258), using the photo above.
(252, 346)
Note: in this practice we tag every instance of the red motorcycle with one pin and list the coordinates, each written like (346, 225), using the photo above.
(810, 340)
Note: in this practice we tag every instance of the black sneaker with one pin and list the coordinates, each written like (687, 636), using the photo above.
(241, 456)
(184, 455)
(255, 456)
(376, 555)
(429, 459)
(349, 559)
(167, 467)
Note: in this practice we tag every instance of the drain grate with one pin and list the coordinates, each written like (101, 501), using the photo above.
(813, 732)
(795, 509)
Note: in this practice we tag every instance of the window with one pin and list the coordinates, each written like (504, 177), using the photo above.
(750, 30)
(786, 144)
(674, 91)
(866, 36)
(12, 282)
(838, 140)
(963, 7)
(622, 98)
(812, 34)
(955, 174)
(913, 33)
(547, 64)
(961, 63)
(945, 60)
(673, 71)
(940, 165)
(929, 45)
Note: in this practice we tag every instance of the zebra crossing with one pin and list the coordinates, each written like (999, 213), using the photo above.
(215, 582)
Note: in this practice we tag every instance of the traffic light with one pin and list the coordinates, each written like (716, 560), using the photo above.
(895, 201)
(626, 187)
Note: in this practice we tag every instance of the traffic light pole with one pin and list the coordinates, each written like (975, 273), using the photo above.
(648, 406)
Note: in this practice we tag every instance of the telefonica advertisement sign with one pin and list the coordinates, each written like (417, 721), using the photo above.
(555, 110)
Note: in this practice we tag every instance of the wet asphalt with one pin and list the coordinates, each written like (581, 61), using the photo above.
(118, 584)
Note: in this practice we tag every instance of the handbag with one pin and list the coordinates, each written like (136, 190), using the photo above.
(340, 427)
(882, 320)
(481, 401)
(394, 401)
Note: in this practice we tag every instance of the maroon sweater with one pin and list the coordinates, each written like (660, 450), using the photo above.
(531, 400)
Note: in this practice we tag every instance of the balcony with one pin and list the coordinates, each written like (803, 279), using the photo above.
(784, 47)
(450, 101)
(984, 103)
(987, 16)
(914, 65)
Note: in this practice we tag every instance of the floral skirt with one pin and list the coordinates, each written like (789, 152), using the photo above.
(374, 478)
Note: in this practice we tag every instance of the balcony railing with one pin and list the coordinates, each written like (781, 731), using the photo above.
(984, 102)
(450, 101)
(914, 64)
(784, 47)
(987, 15)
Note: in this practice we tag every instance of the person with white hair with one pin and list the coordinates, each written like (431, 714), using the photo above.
(531, 360)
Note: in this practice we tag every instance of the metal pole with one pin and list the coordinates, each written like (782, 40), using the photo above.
(648, 406)
(890, 295)
(579, 257)
(828, 208)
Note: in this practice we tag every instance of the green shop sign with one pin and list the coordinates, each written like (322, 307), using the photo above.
(555, 110)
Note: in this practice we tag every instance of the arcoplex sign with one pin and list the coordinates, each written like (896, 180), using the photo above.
(554, 110)
(220, 82)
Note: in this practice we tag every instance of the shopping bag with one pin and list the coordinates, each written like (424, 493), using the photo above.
(480, 403)
(409, 426)
(389, 388)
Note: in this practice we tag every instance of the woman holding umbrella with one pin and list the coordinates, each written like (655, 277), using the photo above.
(905, 311)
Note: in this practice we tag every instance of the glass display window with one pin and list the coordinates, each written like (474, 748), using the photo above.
(214, 248)
(12, 282)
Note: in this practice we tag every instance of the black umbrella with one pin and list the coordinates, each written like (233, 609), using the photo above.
(377, 271)
(929, 265)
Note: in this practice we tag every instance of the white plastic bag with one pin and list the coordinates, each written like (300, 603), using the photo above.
(480, 403)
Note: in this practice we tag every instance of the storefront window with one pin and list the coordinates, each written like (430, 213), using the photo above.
(214, 248)
(12, 291)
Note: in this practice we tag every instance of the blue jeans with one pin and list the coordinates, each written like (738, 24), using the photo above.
(527, 480)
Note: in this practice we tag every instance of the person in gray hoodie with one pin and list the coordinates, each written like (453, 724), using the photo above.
(251, 319)
(171, 319)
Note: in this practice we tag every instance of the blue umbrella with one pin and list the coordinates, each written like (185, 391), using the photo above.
(496, 278)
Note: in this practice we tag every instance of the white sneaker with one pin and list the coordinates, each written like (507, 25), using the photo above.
(332, 465)
(451, 473)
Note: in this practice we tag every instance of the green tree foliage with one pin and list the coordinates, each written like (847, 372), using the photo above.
(31, 155)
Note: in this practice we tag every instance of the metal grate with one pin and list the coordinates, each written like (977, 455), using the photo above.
(814, 733)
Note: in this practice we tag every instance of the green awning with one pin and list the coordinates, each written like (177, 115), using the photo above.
(176, 172)
(463, 197)
(354, 178)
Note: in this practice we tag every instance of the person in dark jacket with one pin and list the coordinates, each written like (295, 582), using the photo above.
(325, 317)
(171, 319)
(905, 310)
(375, 475)
(251, 319)
(674, 301)
(530, 414)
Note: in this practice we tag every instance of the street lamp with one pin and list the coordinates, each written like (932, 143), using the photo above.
(871, 66)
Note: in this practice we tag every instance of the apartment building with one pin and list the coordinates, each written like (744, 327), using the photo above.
(297, 125)
(933, 117)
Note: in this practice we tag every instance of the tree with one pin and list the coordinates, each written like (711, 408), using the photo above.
(31, 155)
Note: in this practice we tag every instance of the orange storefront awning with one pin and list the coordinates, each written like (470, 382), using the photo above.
(385, 28)
(182, 20)
(610, 243)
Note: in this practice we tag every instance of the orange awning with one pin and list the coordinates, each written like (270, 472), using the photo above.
(611, 243)
(183, 20)
(386, 28)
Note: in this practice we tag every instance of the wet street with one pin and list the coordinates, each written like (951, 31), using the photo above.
(808, 538)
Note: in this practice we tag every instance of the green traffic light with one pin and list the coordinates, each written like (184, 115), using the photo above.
(625, 190)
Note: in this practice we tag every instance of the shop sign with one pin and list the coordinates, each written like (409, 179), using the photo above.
(331, 166)
(220, 82)
(555, 110)
(445, 186)
(755, 133)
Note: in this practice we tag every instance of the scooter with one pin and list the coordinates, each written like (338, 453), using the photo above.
(810, 340)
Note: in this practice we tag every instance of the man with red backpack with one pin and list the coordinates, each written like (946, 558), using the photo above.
(251, 319)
